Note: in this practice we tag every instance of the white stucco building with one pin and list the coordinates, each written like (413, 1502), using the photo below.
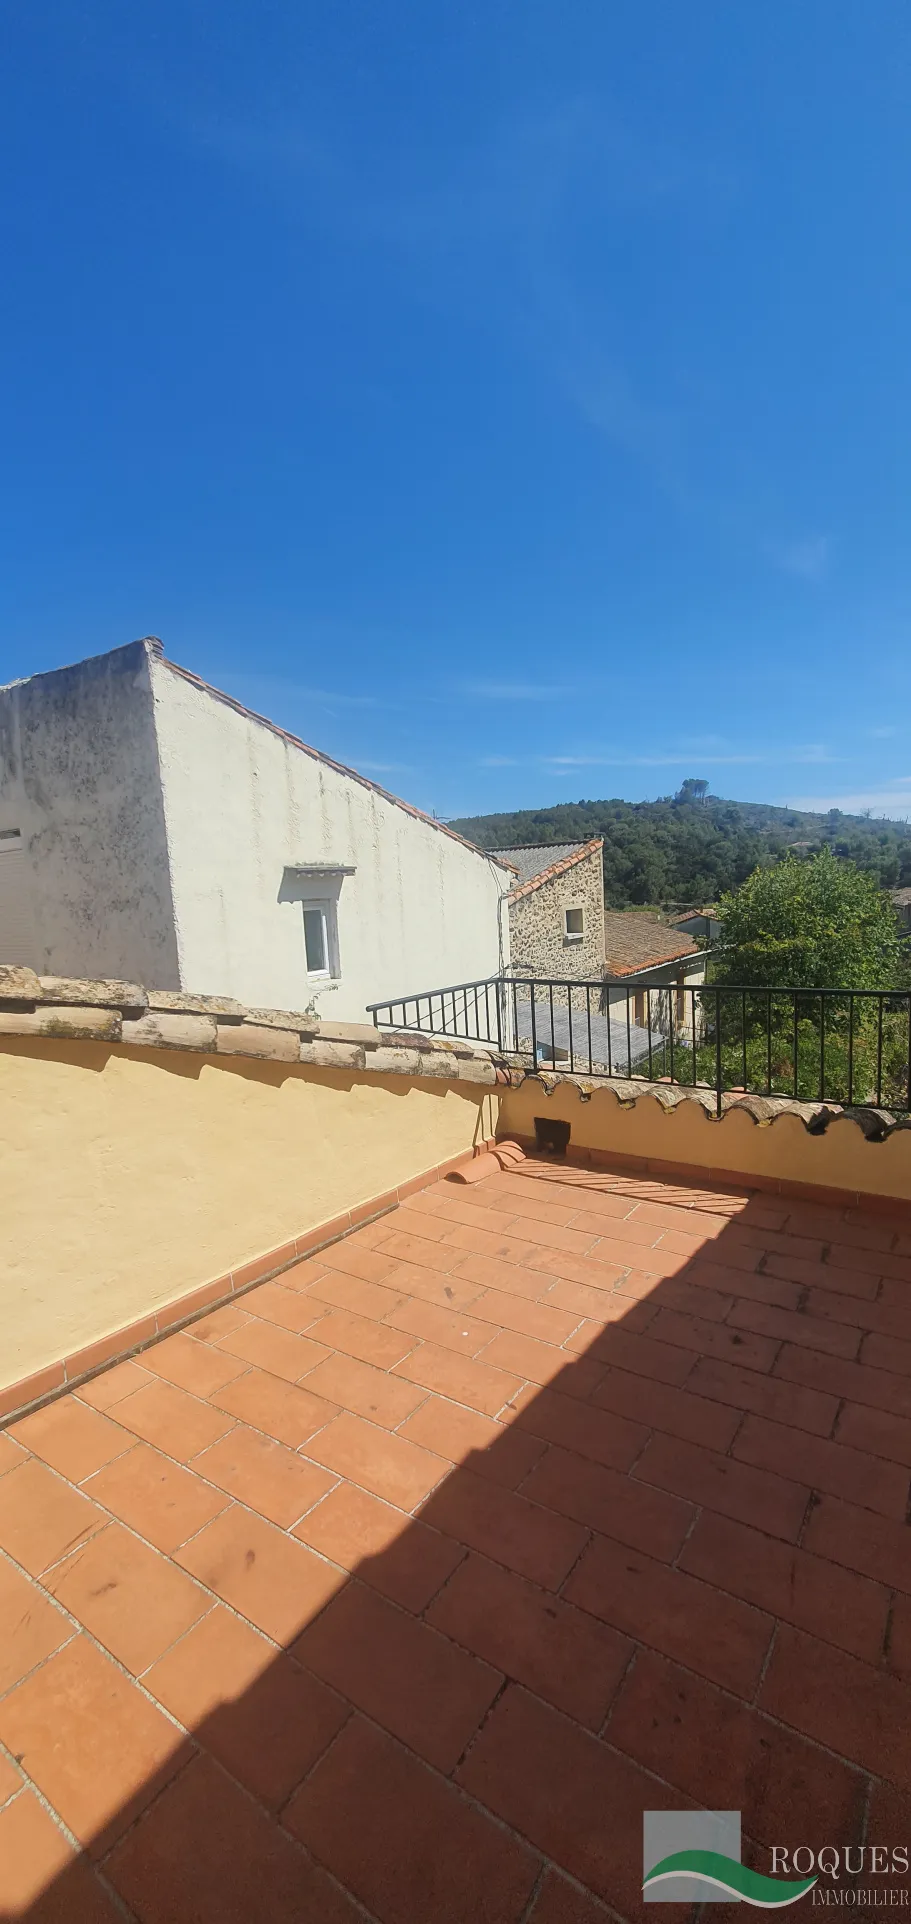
(154, 829)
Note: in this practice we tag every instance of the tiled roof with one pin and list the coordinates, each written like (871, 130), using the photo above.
(539, 862)
(353, 775)
(633, 942)
(901, 898)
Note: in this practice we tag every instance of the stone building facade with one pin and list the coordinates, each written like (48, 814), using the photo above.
(556, 910)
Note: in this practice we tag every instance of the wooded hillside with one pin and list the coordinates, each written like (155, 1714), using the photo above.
(681, 850)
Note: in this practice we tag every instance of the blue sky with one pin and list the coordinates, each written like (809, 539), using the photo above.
(514, 400)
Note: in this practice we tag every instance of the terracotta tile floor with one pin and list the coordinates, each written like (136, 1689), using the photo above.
(399, 1588)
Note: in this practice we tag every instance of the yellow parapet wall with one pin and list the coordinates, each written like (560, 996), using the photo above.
(131, 1177)
(778, 1150)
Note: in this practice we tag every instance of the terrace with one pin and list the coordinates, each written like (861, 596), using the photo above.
(394, 1576)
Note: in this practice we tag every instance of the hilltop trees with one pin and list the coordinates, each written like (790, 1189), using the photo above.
(684, 850)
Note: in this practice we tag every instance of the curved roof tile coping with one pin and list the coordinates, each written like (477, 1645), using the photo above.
(875, 1124)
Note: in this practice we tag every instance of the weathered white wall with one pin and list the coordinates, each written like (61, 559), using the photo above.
(242, 802)
(79, 779)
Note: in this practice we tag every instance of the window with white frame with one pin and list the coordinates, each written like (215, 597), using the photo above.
(320, 937)
(315, 888)
(573, 925)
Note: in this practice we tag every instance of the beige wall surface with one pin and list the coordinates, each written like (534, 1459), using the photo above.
(780, 1151)
(129, 1177)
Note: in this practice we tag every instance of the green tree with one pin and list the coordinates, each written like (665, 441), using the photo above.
(815, 924)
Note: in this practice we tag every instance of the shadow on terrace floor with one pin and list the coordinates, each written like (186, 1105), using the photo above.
(580, 1496)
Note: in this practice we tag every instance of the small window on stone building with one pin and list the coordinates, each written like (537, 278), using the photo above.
(574, 925)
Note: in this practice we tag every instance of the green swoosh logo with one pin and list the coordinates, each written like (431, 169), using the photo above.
(711, 1868)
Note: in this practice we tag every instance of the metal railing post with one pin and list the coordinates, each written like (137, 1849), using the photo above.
(718, 1052)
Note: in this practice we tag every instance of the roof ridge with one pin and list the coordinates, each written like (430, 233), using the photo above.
(328, 761)
(556, 868)
(567, 844)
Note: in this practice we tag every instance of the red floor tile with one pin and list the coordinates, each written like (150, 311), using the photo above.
(30, 1627)
(591, 1432)
(560, 1653)
(93, 1744)
(41, 1877)
(277, 1584)
(568, 1794)
(404, 1841)
(478, 1385)
(41, 1517)
(131, 1599)
(860, 1713)
(404, 1675)
(835, 1604)
(158, 1498)
(207, 1852)
(286, 1411)
(389, 1466)
(263, 1474)
(603, 1500)
(771, 1502)
(397, 1555)
(717, 1636)
(197, 1367)
(503, 1525)
(72, 1438)
(171, 1420)
(271, 1348)
(727, 1756)
(253, 1709)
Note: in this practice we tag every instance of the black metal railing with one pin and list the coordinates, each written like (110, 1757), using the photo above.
(847, 1046)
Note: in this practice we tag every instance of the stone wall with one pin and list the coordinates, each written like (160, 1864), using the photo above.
(537, 923)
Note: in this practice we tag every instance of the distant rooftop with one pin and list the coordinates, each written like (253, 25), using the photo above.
(534, 859)
(633, 941)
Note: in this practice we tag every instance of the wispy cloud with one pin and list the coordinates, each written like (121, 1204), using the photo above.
(810, 753)
(808, 558)
(893, 799)
(882, 734)
(800, 755)
(514, 691)
(384, 768)
(261, 690)
(647, 761)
